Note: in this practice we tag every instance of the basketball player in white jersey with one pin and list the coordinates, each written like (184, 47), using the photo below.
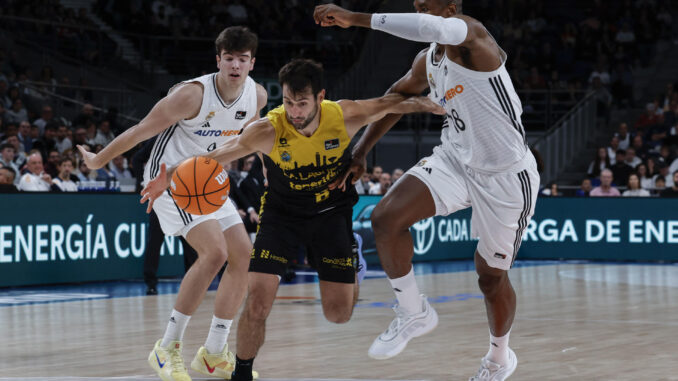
(483, 161)
(196, 117)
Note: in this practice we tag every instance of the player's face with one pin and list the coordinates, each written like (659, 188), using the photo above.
(301, 107)
(433, 7)
(235, 66)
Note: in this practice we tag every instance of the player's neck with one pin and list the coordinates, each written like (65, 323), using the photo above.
(228, 92)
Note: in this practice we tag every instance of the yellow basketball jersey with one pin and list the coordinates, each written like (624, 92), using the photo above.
(300, 168)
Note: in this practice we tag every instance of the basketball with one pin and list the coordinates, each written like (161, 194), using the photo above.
(200, 185)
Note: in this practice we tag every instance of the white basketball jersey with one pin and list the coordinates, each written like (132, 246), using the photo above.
(482, 129)
(216, 123)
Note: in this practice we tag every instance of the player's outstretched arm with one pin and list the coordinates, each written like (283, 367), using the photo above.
(256, 136)
(410, 26)
(183, 103)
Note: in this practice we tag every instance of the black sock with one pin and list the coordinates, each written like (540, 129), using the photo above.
(243, 369)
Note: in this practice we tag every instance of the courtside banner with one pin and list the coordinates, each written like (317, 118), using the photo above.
(609, 229)
(74, 237)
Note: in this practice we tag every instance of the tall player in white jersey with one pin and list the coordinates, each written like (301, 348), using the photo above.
(194, 118)
(483, 161)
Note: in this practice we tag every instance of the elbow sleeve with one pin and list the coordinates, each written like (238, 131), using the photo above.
(422, 27)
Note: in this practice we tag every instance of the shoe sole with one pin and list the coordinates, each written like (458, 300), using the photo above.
(401, 347)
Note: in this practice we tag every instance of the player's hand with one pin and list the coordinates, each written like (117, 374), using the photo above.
(356, 169)
(89, 158)
(254, 217)
(423, 104)
(332, 15)
(156, 187)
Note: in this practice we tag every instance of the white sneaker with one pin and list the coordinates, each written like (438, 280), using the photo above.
(402, 329)
(491, 371)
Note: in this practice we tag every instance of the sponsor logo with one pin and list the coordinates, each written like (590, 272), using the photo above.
(210, 115)
(424, 235)
(221, 326)
(160, 364)
(285, 156)
(427, 169)
(206, 125)
(209, 368)
(240, 114)
(344, 262)
(222, 177)
(451, 93)
(172, 319)
(217, 133)
(283, 143)
(500, 256)
(331, 144)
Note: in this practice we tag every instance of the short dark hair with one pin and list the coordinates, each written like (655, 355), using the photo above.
(67, 159)
(11, 170)
(448, 2)
(300, 74)
(236, 39)
(7, 145)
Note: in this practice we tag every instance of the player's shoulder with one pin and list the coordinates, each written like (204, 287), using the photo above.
(476, 29)
(262, 95)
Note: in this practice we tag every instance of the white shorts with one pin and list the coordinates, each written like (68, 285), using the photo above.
(175, 221)
(503, 203)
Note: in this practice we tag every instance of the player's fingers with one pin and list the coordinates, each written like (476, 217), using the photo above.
(144, 196)
(150, 206)
(163, 170)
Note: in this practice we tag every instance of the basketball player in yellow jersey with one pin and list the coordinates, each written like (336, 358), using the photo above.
(305, 145)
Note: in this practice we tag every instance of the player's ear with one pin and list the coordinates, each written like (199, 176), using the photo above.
(218, 61)
(321, 96)
(253, 61)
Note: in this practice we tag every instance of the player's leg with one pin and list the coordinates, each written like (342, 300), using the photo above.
(503, 205)
(214, 358)
(432, 187)
(252, 323)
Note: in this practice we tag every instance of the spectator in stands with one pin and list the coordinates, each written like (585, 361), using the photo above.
(104, 134)
(48, 141)
(46, 116)
(62, 141)
(376, 175)
(634, 189)
(363, 185)
(631, 159)
(237, 11)
(551, 191)
(646, 181)
(17, 113)
(620, 169)
(19, 154)
(602, 73)
(383, 185)
(7, 153)
(674, 165)
(665, 154)
(623, 136)
(86, 115)
(84, 173)
(119, 168)
(7, 178)
(397, 173)
(605, 189)
(672, 192)
(63, 181)
(612, 149)
(601, 162)
(24, 136)
(36, 180)
(663, 171)
(53, 160)
(585, 188)
(671, 114)
(648, 118)
(80, 137)
(638, 144)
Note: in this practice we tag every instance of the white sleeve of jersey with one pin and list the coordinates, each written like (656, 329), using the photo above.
(422, 27)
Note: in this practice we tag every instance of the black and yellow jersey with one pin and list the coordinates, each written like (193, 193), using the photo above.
(300, 168)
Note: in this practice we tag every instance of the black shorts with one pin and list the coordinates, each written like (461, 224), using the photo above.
(327, 238)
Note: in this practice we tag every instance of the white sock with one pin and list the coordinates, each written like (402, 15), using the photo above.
(499, 349)
(216, 339)
(407, 292)
(175, 328)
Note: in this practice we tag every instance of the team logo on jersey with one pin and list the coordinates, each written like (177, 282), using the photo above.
(331, 144)
(431, 81)
(206, 125)
(285, 156)
(210, 115)
(283, 142)
(421, 163)
(240, 114)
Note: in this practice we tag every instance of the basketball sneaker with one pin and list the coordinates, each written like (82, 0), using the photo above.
(218, 364)
(168, 362)
(361, 265)
(403, 328)
(491, 371)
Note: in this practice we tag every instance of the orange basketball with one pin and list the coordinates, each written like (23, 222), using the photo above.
(200, 185)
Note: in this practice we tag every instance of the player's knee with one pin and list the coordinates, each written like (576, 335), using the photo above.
(383, 219)
(491, 283)
(257, 310)
(214, 257)
(337, 314)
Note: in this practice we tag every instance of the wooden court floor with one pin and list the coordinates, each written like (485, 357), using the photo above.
(574, 322)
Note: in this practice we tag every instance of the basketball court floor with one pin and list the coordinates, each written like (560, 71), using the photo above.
(575, 321)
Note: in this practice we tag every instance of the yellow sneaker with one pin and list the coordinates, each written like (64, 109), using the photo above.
(168, 362)
(217, 364)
